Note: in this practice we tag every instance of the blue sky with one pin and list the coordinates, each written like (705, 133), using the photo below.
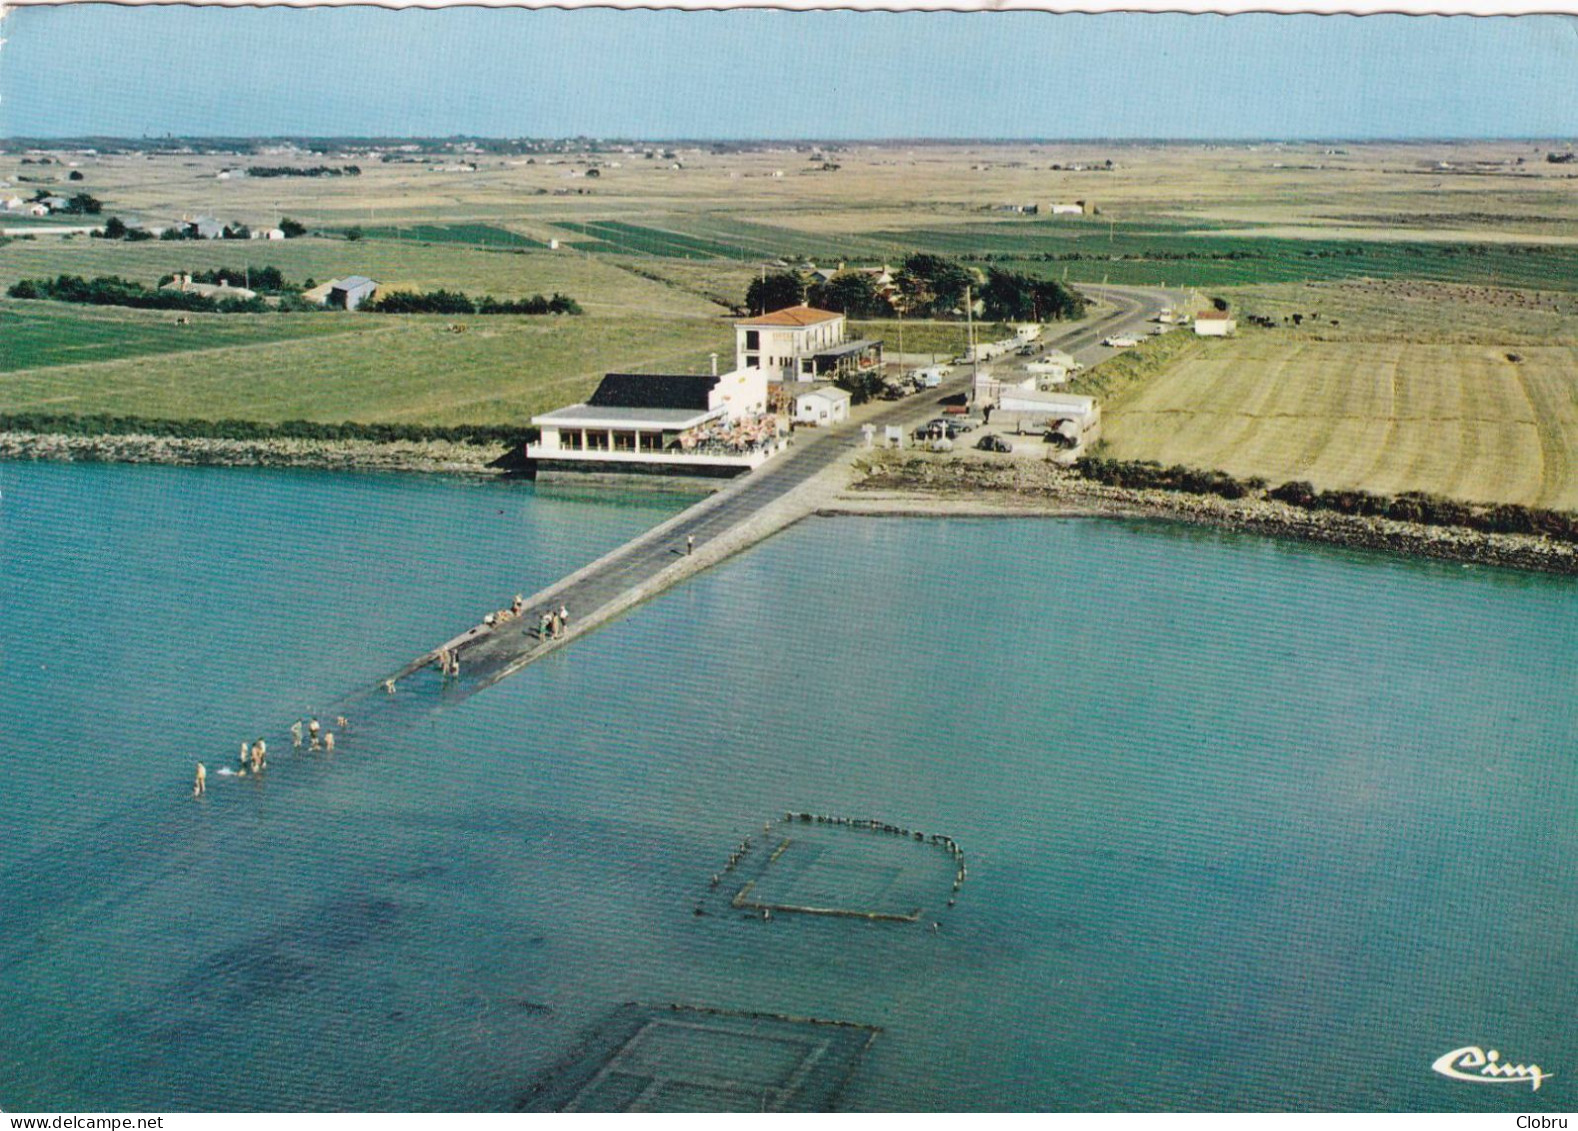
(103, 69)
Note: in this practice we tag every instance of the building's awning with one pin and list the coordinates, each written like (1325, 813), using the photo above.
(652, 419)
(848, 349)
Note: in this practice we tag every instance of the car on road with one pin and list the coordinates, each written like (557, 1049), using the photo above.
(993, 443)
(1120, 343)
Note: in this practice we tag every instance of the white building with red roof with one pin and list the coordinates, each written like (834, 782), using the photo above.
(1214, 324)
(801, 343)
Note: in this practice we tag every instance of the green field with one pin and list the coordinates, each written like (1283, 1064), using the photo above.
(332, 365)
(39, 334)
(482, 235)
(405, 369)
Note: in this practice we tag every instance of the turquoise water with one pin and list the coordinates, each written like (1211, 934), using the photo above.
(1250, 825)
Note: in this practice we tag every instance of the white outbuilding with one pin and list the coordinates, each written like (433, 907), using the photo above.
(822, 406)
(1214, 324)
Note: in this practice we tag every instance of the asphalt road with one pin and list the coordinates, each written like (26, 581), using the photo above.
(493, 655)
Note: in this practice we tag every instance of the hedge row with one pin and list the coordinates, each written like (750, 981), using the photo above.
(105, 425)
(1411, 506)
(1149, 474)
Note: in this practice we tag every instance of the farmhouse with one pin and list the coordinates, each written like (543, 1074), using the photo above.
(823, 405)
(205, 228)
(223, 289)
(665, 424)
(1214, 324)
(350, 292)
(801, 343)
(55, 203)
(12, 204)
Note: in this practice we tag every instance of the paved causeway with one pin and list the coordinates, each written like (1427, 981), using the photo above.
(781, 492)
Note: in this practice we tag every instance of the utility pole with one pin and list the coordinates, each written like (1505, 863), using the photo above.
(969, 321)
(901, 342)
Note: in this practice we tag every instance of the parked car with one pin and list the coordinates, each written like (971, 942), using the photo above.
(937, 429)
(1027, 351)
(993, 443)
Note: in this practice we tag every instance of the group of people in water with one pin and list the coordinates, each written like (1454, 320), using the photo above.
(254, 755)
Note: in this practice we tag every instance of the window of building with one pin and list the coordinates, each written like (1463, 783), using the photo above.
(624, 441)
(570, 439)
(753, 340)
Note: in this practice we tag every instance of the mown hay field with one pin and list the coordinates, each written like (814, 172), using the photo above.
(410, 369)
(1460, 420)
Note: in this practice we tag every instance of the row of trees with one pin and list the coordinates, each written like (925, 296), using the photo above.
(458, 302)
(304, 171)
(112, 290)
(925, 286)
(117, 229)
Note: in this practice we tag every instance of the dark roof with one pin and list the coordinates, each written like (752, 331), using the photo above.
(652, 390)
(848, 349)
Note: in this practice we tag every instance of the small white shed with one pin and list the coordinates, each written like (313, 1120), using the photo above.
(822, 406)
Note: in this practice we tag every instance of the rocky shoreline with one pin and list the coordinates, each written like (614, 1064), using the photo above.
(907, 484)
(441, 456)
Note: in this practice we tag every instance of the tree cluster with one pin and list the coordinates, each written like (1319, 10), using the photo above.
(80, 204)
(852, 293)
(115, 229)
(304, 171)
(1010, 296)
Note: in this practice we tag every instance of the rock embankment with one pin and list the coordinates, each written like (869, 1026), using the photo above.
(926, 484)
(329, 455)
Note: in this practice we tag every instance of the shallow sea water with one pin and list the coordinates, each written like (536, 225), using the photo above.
(1249, 825)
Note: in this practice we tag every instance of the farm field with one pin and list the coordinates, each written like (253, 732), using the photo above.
(408, 369)
(398, 264)
(39, 334)
(1458, 420)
